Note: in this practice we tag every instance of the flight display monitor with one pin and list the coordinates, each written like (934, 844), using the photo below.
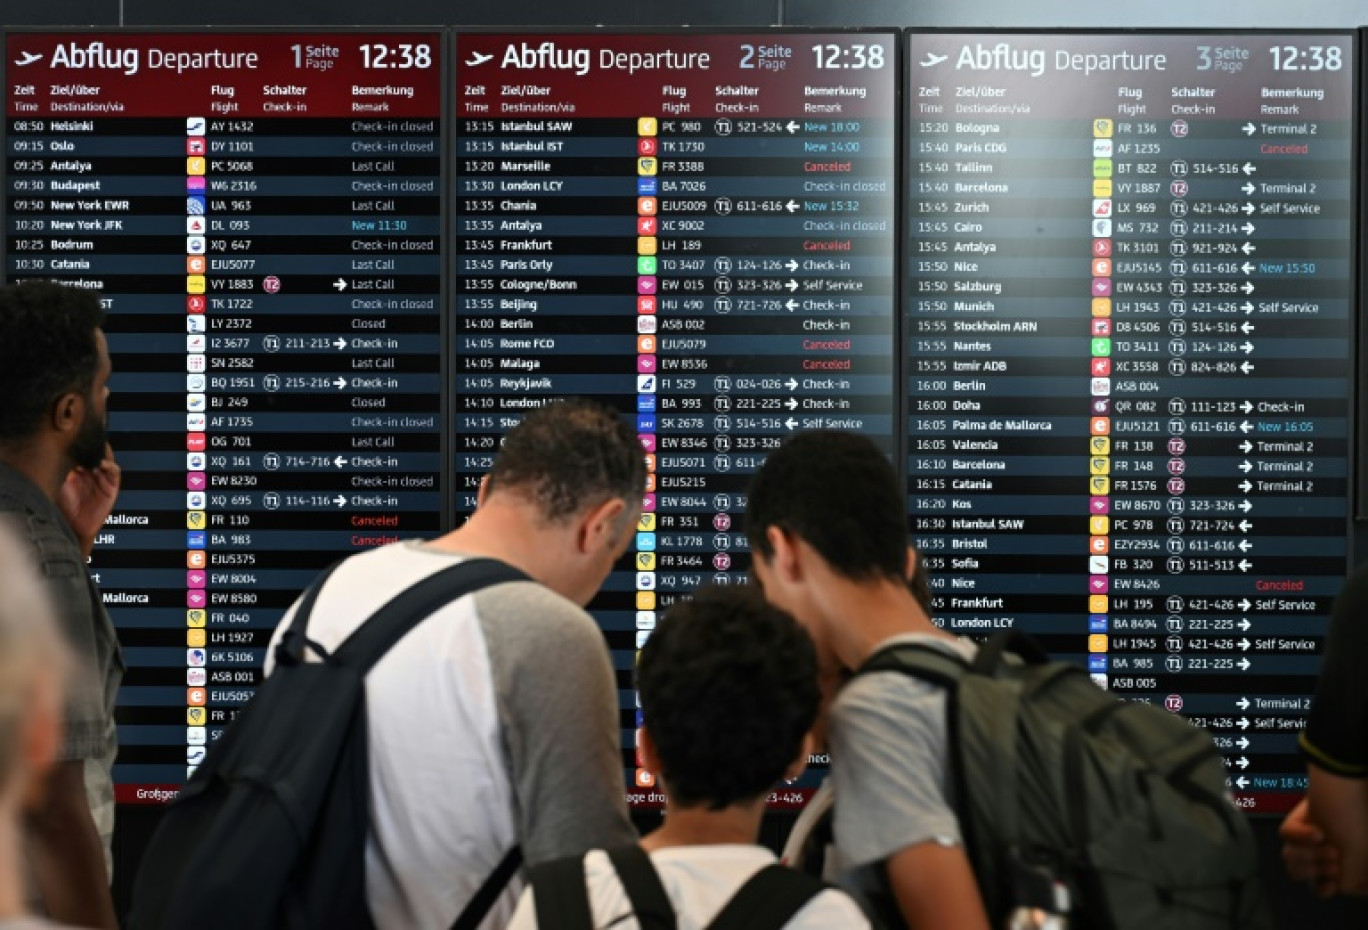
(260, 215)
(1129, 332)
(696, 228)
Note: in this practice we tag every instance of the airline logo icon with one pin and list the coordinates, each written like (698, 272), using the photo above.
(932, 59)
(478, 58)
(27, 58)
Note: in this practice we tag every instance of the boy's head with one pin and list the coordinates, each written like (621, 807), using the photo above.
(33, 666)
(838, 493)
(729, 690)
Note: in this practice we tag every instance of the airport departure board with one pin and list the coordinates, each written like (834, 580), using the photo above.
(260, 215)
(695, 228)
(1129, 331)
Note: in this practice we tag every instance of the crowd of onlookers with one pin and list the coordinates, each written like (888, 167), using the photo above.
(494, 785)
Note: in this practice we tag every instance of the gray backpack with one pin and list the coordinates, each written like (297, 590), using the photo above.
(1069, 800)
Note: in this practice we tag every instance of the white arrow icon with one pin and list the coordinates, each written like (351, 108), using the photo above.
(1242, 742)
(1242, 723)
(1244, 604)
(340, 344)
(1246, 407)
(1246, 367)
(1248, 188)
(339, 461)
(1245, 486)
(1249, 129)
(792, 265)
(932, 59)
(340, 383)
(1245, 446)
(476, 58)
(792, 127)
(792, 285)
(1245, 625)
(1249, 168)
(1245, 466)
(1247, 268)
(792, 305)
(1248, 228)
(1243, 763)
(1245, 565)
(1248, 208)
(791, 404)
(340, 284)
(1247, 288)
(1241, 782)
(1247, 307)
(1245, 527)
(1244, 664)
(1246, 426)
(1245, 505)
(1246, 327)
(790, 422)
(1245, 545)
(340, 501)
(791, 384)
(1243, 704)
(1248, 247)
(792, 206)
(1244, 645)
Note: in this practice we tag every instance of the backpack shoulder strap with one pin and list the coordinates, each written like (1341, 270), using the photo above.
(920, 661)
(769, 900)
(290, 649)
(639, 877)
(561, 896)
(392, 622)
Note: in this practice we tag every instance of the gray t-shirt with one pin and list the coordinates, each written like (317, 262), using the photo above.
(889, 752)
(89, 732)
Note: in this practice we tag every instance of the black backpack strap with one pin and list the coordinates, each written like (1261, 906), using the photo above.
(290, 649)
(922, 661)
(561, 896)
(639, 877)
(769, 900)
(478, 906)
(392, 622)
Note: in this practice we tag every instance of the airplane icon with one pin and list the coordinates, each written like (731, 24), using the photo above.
(27, 58)
(932, 59)
(478, 59)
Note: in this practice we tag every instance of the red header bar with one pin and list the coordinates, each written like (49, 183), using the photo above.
(224, 75)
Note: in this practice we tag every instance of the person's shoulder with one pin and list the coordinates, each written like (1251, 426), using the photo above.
(888, 690)
(830, 908)
(532, 609)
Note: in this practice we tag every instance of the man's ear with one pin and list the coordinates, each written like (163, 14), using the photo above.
(650, 757)
(799, 765)
(786, 562)
(68, 412)
(482, 494)
(600, 527)
(910, 569)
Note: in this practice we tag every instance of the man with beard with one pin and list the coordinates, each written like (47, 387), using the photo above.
(58, 482)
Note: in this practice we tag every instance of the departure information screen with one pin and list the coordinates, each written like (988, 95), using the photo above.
(260, 215)
(696, 229)
(1128, 335)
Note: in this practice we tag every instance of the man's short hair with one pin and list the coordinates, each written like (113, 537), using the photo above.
(47, 349)
(840, 494)
(569, 455)
(30, 644)
(728, 689)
